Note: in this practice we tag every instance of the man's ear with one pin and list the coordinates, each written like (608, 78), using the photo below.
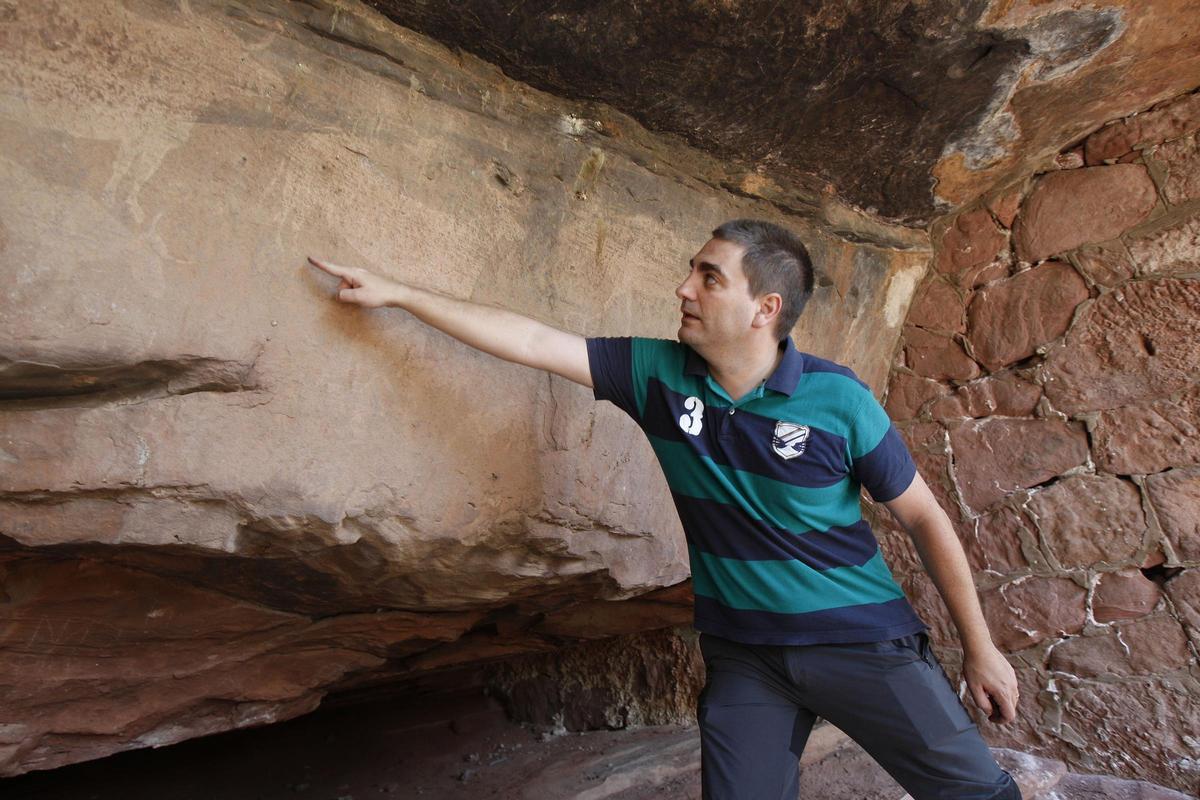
(769, 306)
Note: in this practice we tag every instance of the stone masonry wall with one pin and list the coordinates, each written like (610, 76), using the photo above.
(1048, 384)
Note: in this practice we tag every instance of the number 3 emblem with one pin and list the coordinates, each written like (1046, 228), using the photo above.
(694, 421)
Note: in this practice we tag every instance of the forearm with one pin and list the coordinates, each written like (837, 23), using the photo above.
(946, 563)
(496, 331)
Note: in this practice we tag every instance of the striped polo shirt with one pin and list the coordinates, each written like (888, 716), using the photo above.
(767, 489)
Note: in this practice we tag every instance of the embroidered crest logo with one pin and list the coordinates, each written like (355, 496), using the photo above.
(790, 439)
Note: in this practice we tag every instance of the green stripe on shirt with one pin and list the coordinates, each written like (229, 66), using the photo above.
(791, 587)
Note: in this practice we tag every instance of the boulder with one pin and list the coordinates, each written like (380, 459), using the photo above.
(227, 496)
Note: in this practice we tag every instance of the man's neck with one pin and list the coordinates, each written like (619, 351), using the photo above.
(739, 370)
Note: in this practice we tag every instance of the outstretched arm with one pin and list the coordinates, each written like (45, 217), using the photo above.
(989, 676)
(500, 333)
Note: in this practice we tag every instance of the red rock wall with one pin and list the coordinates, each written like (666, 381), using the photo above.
(1048, 383)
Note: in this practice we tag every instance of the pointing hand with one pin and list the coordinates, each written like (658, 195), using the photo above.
(359, 286)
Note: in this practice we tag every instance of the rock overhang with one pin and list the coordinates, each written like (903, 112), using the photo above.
(908, 110)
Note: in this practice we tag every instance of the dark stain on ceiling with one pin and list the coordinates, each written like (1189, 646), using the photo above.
(865, 95)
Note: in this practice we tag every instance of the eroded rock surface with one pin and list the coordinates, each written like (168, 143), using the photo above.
(223, 496)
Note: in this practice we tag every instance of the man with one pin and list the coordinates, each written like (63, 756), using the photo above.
(765, 449)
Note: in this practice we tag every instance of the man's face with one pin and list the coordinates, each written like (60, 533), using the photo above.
(715, 300)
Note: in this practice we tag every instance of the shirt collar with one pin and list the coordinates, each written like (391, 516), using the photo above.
(784, 379)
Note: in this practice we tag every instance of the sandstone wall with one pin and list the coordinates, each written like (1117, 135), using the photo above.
(222, 495)
(1048, 383)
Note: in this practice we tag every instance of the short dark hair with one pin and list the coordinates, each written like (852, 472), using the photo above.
(775, 261)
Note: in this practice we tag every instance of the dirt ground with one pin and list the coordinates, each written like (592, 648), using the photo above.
(440, 747)
(444, 747)
(459, 746)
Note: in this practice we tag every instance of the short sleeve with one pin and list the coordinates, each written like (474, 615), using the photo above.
(881, 460)
(610, 361)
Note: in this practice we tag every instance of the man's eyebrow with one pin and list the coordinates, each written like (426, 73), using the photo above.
(707, 266)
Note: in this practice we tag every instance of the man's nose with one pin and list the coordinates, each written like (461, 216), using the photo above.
(684, 290)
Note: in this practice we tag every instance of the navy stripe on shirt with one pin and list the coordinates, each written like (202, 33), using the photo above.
(888, 469)
(728, 532)
(889, 620)
(748, 448)
(611, 364)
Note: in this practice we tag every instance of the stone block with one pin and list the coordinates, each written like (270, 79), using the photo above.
(1170, 120)
(936, 355)
(938, 306)
(1155, 644)
(995, 542)
(1141, 647)
(1106, 264)
(1089, 519)
(1175, 496)
(907, 394)
(1184, 593)
(1125, 594)
(1139, 342)
(1073, 207)
(926, 442)
(1113, 718)
(998, 455)
(1173, 247)
(971, 242)
(1011, 318)
(1004, 206)
(1071, 159)
(1004, 395)
(1024, 612)
(1148, 438)
(1078, 786)
(930, 607)
(1180, 160)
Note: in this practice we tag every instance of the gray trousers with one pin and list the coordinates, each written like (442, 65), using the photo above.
(759, 704)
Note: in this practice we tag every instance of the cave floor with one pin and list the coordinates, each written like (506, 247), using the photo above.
(457, 746)
(439, 748)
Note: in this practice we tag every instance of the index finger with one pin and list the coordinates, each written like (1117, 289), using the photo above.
(1008, 708)
(332, 269)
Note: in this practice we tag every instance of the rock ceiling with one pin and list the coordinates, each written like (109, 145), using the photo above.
(907, 108)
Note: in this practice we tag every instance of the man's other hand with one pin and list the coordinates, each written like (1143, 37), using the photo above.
(992, 683)
(359, 286)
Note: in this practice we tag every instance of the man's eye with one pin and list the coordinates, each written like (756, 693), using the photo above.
(710, 279)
